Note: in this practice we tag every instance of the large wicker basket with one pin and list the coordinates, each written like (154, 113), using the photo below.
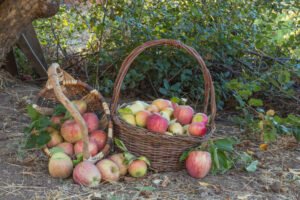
(61, 88)
(162, 150)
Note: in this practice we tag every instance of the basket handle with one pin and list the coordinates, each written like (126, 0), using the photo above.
(138, 50)
(55, 73)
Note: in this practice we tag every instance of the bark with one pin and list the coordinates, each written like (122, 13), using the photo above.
(15, 15)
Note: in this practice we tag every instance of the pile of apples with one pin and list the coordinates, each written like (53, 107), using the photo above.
(67, 137)
(166, 117)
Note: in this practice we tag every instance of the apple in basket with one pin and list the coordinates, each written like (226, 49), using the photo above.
(70, 130)
(91, 121)
(152, 108)
(81, 105)
(183, 114)
(87, 174)
(55, 120)
(198, 163)
(109, 170)
(200, 117)
(93, 148)
(141, 118)
(137, 168)
(67, 147)
(162, 103)
(136, 107)
(60, 165)
(99, 137)
(129, 118)
(157, 123)
(197, 129)
(176, 128)
(55, 137)
(119, 160)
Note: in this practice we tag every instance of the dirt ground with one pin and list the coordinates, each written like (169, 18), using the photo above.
(24, 175)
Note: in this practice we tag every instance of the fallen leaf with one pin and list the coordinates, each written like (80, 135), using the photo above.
(165, 182)
(207, 185)
(250, 152)
(263, 147)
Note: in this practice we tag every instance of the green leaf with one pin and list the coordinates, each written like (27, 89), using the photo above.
(55, 150)
(125, 111)
(224, 144)
(59, 110)
(269, 135)
(145, 188)
(175, 99)
(43, 138)
(33, 114)
(31, 142)
(246, 158)
(163, 91)
(184, 155)
(79, 159)
(129, 157)
(296, 133)
(146, 160)
(42, 122)
(120, 144)
(255, 102)
(252, 167)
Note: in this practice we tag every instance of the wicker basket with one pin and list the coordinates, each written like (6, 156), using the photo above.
(61, 87)
(162, 150)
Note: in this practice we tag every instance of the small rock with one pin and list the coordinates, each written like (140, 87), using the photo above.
(276, 186)
(157, 181)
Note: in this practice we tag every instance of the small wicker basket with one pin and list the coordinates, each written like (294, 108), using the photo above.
(62, 88)
(162, 150)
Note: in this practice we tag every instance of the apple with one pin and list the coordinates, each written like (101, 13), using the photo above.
(152, 109)
(91, 121)
(55, 137)
(136, 107)
(67, 147)
(174, 105)
(165, 115)
(168, 110)
(81, 105)
(129, 118)
(27, 77)
(198, 163)
(141, 118)
(176, 128)
(93, 148)
(157, 123)
(200, 117)
(60, 165)
(183, 114)
(119, 160)
(137, 168)
(87, 174)
(99, 137)
(70, 130)
(109, 170)
(162, 103)
(186, 129)
(197, 129)
(55, 120)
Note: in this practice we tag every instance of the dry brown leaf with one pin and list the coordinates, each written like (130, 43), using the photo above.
(250, 152)
(165, 182)
(263, 147)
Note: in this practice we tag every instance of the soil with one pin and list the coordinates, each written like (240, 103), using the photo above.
(24, 174)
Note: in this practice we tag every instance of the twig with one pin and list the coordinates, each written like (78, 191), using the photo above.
(152, 85)
(263, 55)
(58, 44)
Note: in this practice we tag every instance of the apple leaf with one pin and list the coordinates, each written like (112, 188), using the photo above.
(55, 150)
(33, 113)
(120, 144)
(224, 144)
(175, 99)
(78, 160)
(252, 167)
(43, 138)
(145, 188)
(146, 160)
(125, 111)
(129, 157)
(59, 110)
(31, 141)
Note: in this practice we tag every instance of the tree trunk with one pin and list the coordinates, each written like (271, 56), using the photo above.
(15, 15)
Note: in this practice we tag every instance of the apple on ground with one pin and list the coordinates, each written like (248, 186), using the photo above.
(200, 117)
(129, 118)
(197, 129)
(157, 123)
(93, 148)
(81, 105)
(137, 168)
(152, 109)
(183, 114)
(70, 130)
(60, 165)
(141, 118)
(55, 120)
(55, 137)
(99, 137)
(91, 121)
(87, 174)
(162, 103)
(119, 160)
(109, 170)
(198, 163)
(67, 147)
(176, 128)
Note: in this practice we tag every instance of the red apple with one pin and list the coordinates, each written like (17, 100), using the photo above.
(55, 137)
(198, 163)
(93, 148)
(119, 160)
(60, 165)
(157, 123)
(200, 117)
(174, 105)
(99, 137)
(109, 170)
(152, 109)
(81, 105)
(67, 147)
(176, 128)
(183, 114)
(87, 174)
(141, 118)
(197, 129)
(91, 120)
(55, 120)
(162, 103)
(70, 130)
(137, 168)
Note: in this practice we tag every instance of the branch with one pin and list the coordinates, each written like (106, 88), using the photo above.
(263, 55)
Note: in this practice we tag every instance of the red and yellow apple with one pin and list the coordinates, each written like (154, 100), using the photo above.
(152, 109)
(141, 118)
(200, 117)
(137, 168)
(60, 165)
(183, 114)
(119, 160)
(81, 105)
(162, 103)
(197, 129)
(91, 121)
(109, 170)
(87, 174)
(198, 163)
(70, 130)
(55, 137)
(93, 148)
(67, 147)
(176, 128)
(55, 120)
(99, 137)
(157, 123)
